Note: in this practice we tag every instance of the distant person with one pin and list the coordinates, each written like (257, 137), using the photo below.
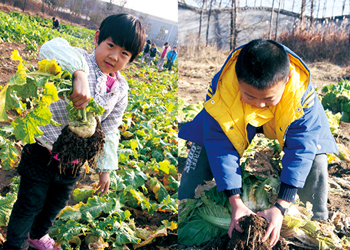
(146, 50)
(56, 23)
(263, 87)
(166, 48)
(152, 54)
(171, 58)
(44, 190)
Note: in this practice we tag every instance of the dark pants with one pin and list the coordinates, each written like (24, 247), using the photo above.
(43, 193)
(169, 64)
(315, 190)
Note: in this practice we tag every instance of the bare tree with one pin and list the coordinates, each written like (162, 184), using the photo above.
(302, 15)
(318, 8)
(89, 6)
(333, 7)
(324, 8)
(220, 4)
(271, 19)
(200, 22)
(277, 19)
(293, 5)
(343, 8)
(108, 8)
(43, 2)
(233, 26)
(312, 13)
(209, 14)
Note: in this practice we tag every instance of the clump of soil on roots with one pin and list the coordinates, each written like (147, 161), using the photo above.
(69, 147)
(254, 230)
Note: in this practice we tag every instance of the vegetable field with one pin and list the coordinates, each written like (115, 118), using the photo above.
(140, 210)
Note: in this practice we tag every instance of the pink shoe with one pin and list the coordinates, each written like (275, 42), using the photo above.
(45, 243)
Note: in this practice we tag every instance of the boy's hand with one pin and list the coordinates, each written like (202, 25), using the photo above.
(104, 183)
(238, 211)
(81, 92)
(275, 218)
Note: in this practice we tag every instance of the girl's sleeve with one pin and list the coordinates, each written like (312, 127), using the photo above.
(66, 56)
(108, 159)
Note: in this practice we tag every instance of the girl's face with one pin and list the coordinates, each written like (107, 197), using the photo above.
(109, 56)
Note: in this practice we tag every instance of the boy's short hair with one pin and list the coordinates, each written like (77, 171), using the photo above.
(53, 18)
(149, 41)
(262, 63)
(126, 31)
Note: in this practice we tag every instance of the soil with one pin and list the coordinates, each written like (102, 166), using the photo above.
(195, 74)
(70, 147)
(254, 230)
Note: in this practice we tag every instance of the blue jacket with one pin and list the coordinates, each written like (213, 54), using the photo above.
(303, 138)
(172, 55)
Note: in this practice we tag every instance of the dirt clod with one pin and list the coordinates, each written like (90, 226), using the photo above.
(71, 147)
(254, 230)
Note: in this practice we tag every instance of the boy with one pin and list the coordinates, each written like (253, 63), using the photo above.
(146, 50)
(262, 87)
(152, 54)
(44, 191)
(171, 58)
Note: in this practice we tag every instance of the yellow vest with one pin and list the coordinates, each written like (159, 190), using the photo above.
(228, 109)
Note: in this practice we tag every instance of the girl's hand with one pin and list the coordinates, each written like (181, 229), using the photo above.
(239, 210)
(275, 218)
(104, 183)
(81, 92)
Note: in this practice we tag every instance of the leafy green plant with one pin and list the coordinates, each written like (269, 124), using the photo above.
(34, 31)
(337, 99)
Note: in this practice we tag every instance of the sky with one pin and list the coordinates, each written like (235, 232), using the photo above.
(288, 5)
(165, 9)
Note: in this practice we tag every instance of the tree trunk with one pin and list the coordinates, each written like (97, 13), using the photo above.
(312, 13)
(293, 5)
(207, 36)
(200, 24)
(324, 8)
(233, 25)
(302, 15)
(24, 5)
(318, 8)
(333, 7)
(277, 19)
(271, 19)
(343, 8)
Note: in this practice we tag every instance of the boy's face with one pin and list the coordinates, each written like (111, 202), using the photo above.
(110, 57)
(153, 46)
(262, 98)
